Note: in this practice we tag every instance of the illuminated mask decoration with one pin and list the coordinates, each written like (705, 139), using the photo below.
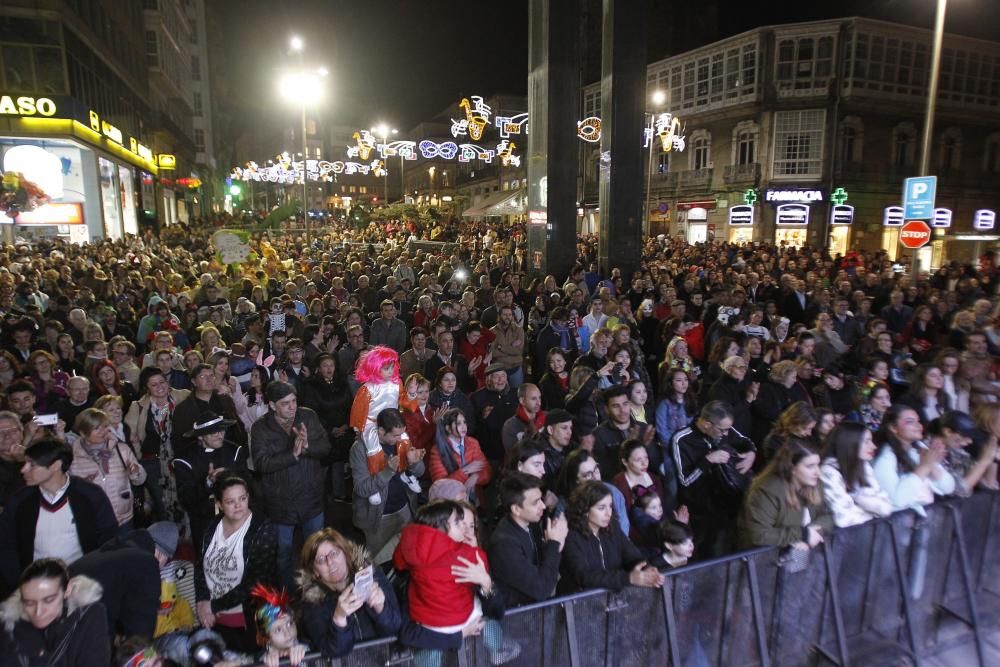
(589, 129)
(430, 149)
(363, 149)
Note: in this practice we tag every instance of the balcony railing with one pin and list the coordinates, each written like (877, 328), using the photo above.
(696, 178)
(741, 173)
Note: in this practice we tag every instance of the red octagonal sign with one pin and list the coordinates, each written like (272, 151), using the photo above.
(914, 234)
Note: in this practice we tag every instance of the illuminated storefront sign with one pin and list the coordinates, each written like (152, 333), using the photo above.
(893, 216)
(942, 218)
(805, 196)
(984, 219)
(166, 161)
(741, 214)
(25, 105)
(49, 214)
(792, 214)
(841, 214)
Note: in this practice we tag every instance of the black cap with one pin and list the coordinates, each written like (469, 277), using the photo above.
(557, 416)
(962, 423)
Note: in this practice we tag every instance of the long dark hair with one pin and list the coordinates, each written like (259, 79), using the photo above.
(569, 471)
(581, 500)
(885, 436)
(445, 422)
(782, 467)
(844, 445)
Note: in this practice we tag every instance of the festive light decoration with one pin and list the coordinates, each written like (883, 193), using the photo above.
(470, 152)
(445, 150)
(668, 129)
(365, 144)
(289, 172)
(477, 117)
(505, 153)
(509, 125)
(404, 149)
(589, 129)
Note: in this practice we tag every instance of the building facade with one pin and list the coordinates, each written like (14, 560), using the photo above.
(809, 129)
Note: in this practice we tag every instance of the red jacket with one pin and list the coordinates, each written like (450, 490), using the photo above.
(429, 554)
(473, 452)
(419, 427)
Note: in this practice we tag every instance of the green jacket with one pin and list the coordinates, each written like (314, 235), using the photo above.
(768, 520)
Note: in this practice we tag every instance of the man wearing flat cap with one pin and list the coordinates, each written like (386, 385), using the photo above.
(196, 472)
(289, 447)
(494, 404)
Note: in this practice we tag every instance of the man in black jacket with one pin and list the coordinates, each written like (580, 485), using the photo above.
(204, 397)
(55, 516)
(616, 429)
(713, 462)
(494, 404)
(289, 450)
(525, 562)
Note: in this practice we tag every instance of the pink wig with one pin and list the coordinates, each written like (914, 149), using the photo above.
(371, 363)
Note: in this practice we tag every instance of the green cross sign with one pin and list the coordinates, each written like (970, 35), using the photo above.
(838, 196)
(750, 196)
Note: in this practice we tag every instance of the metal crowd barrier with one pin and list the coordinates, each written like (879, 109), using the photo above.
(905, 586)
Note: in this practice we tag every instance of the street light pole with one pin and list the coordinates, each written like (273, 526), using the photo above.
(932, 92)
(305, 186)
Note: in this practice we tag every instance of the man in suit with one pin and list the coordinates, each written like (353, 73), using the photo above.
(795, 304)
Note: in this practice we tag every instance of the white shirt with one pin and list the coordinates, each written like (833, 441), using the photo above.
(224, 562)
(55, 531)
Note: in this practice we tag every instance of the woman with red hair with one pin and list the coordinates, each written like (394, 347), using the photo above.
(105, 380)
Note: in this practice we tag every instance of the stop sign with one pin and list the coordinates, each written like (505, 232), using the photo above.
(914, 234)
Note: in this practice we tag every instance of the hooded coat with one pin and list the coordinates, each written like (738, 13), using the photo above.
(78, 638)
(319, 602)
(428, 554)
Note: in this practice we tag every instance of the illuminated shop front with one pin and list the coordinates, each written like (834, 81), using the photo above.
(88, 170)
(792, 213)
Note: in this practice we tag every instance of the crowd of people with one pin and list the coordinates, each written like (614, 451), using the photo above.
(376, 435)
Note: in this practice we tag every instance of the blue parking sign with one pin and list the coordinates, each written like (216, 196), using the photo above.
(918, 197)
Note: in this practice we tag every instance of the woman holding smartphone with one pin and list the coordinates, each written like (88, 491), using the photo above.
(336, 613)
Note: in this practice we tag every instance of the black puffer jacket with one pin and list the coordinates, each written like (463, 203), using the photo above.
(292, 488)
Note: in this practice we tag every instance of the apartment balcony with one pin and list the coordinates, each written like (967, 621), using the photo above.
(734, 174)
(667, 179)
(695, 179)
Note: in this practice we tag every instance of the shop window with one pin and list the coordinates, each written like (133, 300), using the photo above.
(798, 143)
(804, 63)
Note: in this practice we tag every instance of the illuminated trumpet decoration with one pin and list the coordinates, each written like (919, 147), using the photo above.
(505, 151)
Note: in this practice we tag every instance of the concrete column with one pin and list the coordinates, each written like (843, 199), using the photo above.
(623, 107)
(552, 145)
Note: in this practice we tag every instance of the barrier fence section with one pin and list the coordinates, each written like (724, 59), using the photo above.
(907, 585)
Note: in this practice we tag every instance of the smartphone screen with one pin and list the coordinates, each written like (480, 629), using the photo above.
(363, 582)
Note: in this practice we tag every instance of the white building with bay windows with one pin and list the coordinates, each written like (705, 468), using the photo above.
(830, 107)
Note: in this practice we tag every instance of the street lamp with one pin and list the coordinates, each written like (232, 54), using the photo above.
(657, 98)
(304, 88)
(932, 92)
(430, 190)
(382, 130)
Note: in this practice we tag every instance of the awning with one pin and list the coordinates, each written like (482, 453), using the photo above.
(498, 204)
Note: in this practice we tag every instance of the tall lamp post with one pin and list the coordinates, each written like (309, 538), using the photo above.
(658, 98)
(303, 87)
(383, 131)
(932, 93)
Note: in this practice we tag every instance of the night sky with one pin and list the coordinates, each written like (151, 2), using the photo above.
(402, 61)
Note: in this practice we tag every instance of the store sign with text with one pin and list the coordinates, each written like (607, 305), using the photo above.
(782, 195)
(792, 214)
